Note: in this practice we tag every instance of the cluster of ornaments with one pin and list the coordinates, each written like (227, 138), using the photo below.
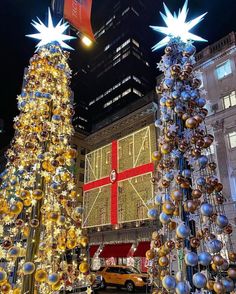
(194, 238)
(38, 197)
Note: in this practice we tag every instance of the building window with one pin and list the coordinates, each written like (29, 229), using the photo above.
(137, 92)
(137, 79)
(126, 92)
(223, 69)
(135, 43)
(82, 164)
(107, 104)
(125, 11)
(232, 139)
(81, 177)
(107, 47)
(83, 151)
(83, 119)
(123, 45)
(135, 11)
(229, 100)
(91, 102)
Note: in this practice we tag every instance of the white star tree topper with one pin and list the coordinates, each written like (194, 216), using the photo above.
(48, 34)
(176, 26)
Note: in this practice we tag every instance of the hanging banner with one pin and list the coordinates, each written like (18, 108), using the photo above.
(78, 14)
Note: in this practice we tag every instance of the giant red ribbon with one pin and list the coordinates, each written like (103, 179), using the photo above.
(115, 177)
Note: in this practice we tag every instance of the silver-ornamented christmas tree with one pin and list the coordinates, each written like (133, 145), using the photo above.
(192, 252)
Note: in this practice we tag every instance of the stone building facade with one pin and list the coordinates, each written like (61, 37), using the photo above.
(217, 64)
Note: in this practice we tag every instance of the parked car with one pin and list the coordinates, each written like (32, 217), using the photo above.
(122, 276)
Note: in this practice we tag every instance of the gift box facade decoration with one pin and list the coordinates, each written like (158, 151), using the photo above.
(118, 180)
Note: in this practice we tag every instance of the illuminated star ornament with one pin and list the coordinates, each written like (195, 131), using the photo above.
(49, 34)
(177, 27)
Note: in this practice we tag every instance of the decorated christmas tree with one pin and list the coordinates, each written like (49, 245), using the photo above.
(192, 251)
(43, 248)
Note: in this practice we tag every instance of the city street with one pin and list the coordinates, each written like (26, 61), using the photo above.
(115, 290)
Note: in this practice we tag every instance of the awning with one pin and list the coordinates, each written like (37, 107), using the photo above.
(115, 250)
(142, 248)
(93, 249)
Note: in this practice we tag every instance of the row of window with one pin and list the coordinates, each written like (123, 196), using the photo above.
(104, 28)
(232, 139)
(117, 86)
(109, 23)
(229, 100)
(126, 92)
(123, 56)
(223, 70)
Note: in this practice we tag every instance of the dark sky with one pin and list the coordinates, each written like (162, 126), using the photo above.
(16, 15)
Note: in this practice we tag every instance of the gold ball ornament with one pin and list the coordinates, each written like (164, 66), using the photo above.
(26, 231)
(210, 284)
(16, 208)
(37, 194)
(27, 202)
(156, 156)
(83, 241)
(40, 275)
(5, 288)
(150, 254)
(24, 194)
(165, 148)
(57, 286)
(84, 267)
(16, 291)
(168, 208)
(71, 244)
(163, 261)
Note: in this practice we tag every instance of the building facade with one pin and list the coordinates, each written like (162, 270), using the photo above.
(217, 65)
(121, 68)
(129, 126)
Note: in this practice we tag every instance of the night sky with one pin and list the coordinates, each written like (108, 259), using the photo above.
(16, 50)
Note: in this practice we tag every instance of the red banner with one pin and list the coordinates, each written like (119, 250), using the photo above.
(78, 14)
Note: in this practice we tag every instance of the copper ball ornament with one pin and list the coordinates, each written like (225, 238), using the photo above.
(232, 256)
(218, 287)
(232, 273)
(191, 123)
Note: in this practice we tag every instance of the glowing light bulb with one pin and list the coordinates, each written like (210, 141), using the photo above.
(87, 42)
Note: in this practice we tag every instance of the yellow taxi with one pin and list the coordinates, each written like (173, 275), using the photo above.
(122, 276)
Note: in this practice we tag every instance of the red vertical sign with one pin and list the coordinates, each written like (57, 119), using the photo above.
(78, 14)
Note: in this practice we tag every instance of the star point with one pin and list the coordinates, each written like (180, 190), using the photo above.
(177, 27)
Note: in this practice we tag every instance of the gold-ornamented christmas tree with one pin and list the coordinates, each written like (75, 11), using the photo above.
(39, 214)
